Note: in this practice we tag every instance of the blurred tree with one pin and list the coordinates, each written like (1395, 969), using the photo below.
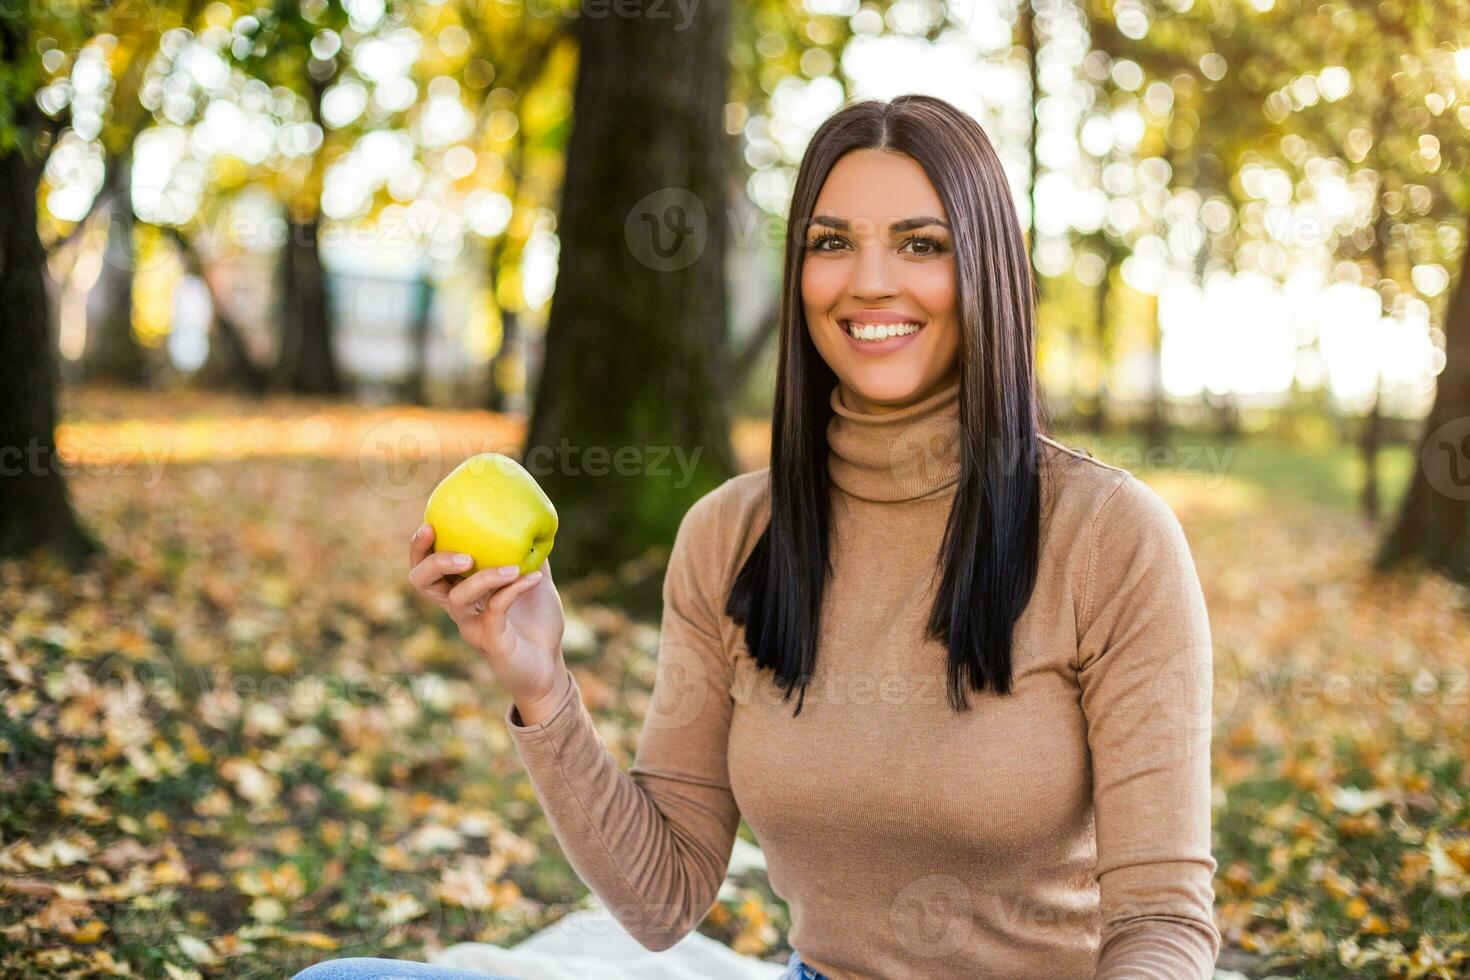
(1195, 77)
(133, 61)
(420, 308)
(229, 363)
(122, 56)
(635, 343)
(113, 352)
(777, 48)
(35, 510)
(1433, 524)
(37, 99)
(1354, 96)
(1361, 98)
(531, 63)
(638, 354)
(299, 47)
(521, 123)
(280, 61)
(1029, 34)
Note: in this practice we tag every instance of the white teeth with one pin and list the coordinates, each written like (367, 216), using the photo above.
(880, 331)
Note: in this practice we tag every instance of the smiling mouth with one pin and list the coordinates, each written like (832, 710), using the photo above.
(879, 331)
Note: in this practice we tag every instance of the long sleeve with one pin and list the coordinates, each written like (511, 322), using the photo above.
(1144, 667)
(653, 844)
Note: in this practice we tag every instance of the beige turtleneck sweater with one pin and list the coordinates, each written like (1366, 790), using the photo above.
(1058, 832)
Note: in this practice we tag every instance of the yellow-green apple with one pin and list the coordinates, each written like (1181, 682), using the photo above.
(491, 509)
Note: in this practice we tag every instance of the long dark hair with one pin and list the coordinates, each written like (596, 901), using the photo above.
(990, 546)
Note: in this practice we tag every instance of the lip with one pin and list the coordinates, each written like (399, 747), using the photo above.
(880, 348)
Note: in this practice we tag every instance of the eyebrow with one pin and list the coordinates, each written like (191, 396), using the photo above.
(907, 224)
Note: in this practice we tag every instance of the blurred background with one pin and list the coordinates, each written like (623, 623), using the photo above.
(268, 272)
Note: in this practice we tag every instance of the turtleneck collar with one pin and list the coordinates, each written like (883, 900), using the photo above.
(904, 454)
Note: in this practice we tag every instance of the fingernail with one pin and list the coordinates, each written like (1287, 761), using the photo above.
(462, 561)
(534, 577)
(508, 569)
(420, 532)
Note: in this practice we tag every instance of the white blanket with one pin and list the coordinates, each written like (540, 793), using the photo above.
(591, 945)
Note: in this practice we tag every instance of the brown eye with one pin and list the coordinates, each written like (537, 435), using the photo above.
(929, 246)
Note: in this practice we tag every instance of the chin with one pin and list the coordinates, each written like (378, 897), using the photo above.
(887, 384)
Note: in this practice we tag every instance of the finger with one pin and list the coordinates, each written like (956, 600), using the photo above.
(464, 596)
(429, 575)
(421, 544)
(492, 620)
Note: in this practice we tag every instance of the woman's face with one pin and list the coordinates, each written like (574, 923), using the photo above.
(880, 261)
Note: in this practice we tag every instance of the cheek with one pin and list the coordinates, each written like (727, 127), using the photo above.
(821, 286)
(933, 286)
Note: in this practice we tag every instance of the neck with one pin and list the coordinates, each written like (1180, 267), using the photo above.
(858, 403)
(902, 452)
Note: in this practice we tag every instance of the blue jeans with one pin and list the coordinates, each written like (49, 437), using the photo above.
(797, 970)
(379, 968)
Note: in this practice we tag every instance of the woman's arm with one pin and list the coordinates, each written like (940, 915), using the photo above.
(652, 844)
(1144, 666)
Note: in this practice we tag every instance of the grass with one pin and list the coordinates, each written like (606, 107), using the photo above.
(242, 745)
(1327, 476)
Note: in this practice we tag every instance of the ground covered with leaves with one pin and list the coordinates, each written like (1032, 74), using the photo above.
(241, 744)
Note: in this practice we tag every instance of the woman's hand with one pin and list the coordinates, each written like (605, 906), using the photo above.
(521, 640)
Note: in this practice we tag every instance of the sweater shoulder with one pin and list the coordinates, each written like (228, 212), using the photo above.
(722, 520)
(1086, 498)
(743, 496)
(714, 539)
(1092, 500)
(1098, 477)
(748, 491)
(1057, 451)
(1077, 480)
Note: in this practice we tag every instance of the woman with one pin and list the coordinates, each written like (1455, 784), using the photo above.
(998, 763)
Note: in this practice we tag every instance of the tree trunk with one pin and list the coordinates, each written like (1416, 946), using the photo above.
(1372, 438)
(1372, 432)
(1026, 22)
(1433, 523)
(1156, 428)
(497, 396)
(744, 361)
(35, 511)
(113, 353)
(1227, 413)
(228, 365)
(423, 302)
(631, 419)
(496, 393)
(307, 363)
(1098, 418)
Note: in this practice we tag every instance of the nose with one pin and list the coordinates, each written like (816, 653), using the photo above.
(873, 276)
